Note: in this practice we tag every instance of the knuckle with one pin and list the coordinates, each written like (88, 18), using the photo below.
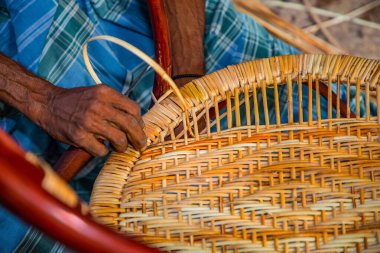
(101, 90)
(102, 151)
(93, 107)
(79, 137)
(135, 108)
(133, 123)
(121, 146)
(120, 140)
(87, 123)
(86, 118)
(99, 151)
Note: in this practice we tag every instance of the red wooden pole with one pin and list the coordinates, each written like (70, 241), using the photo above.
(161, 35)
(22, 192)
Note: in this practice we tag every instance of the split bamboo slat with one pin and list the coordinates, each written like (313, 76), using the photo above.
(284, 30)
(305, 184)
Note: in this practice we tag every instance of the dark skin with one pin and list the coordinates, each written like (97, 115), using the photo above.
(81, 117)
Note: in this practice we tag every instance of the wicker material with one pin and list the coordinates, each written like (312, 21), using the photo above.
(305, 186)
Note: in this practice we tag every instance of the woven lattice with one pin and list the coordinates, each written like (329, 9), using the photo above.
(311, 185)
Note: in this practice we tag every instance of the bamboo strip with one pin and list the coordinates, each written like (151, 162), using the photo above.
(284, 30)
(321, 25)
(347, 17)
(322, 12)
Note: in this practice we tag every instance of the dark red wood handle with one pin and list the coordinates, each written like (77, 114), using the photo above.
(71, 162)
(161, 37)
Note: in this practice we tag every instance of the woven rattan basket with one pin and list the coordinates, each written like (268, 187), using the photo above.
(304, 184)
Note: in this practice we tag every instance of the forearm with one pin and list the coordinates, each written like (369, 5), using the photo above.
(23, 90)
(76, 116)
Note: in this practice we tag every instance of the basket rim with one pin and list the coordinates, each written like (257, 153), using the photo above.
(256, 73)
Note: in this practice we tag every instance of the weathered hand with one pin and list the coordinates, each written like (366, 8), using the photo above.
(83, 116)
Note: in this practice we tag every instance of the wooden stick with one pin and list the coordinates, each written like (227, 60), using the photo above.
(285, 30)
(347, 17)
(322, 12)
(321, 25)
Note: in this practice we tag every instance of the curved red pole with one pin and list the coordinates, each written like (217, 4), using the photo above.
(161, 35)
(22, 193)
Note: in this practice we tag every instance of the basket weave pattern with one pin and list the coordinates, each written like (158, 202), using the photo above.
(305, 186)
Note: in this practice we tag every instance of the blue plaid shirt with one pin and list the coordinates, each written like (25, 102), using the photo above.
(46, 37)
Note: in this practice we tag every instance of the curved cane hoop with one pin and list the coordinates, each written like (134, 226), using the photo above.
(159, 70)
